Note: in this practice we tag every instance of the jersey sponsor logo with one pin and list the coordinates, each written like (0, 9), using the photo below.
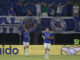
(70, 50)
(58, 24)
(30, 23)
(8, 51)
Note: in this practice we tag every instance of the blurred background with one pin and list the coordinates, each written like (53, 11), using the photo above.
(61, 16)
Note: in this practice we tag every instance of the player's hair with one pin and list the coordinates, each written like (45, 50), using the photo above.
(47, 28)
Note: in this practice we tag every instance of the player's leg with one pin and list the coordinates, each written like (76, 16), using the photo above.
(27, 46)
(45, 47)
(24, 43)
(24, 49)
(48, 50)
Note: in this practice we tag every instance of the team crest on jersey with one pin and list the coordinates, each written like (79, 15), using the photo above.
(58, 24)
(30, 23)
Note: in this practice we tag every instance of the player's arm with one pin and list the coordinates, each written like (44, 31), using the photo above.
(51, 36)
(43, 37)
(29, 38)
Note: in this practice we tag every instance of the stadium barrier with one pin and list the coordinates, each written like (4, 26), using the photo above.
(13, 24)
(39, 50)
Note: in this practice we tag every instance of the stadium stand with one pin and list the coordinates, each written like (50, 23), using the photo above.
(5, 5)
(28, 8)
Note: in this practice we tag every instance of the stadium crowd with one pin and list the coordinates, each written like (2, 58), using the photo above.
(21, 8)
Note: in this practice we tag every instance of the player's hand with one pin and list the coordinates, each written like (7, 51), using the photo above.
(50, 37)
(43, 37)
(29, 38)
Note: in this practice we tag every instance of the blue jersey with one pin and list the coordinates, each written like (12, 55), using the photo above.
(25, 36)
(11, 12)
(46, 35)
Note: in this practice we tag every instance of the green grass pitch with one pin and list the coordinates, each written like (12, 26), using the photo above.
(36, 57)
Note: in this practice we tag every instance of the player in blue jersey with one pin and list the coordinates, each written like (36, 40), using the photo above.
(47, 36)
(26, 39)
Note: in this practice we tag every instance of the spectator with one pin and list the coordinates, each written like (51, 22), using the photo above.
(30, 9)
(59, 9)
(51, 9)
(14, 5)
(11, 12)
(69, 9)
(21, 9)
(29, 13)
(76, 10)
(38, 8)
(44, 9)
(52, 12)
(65, 9)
